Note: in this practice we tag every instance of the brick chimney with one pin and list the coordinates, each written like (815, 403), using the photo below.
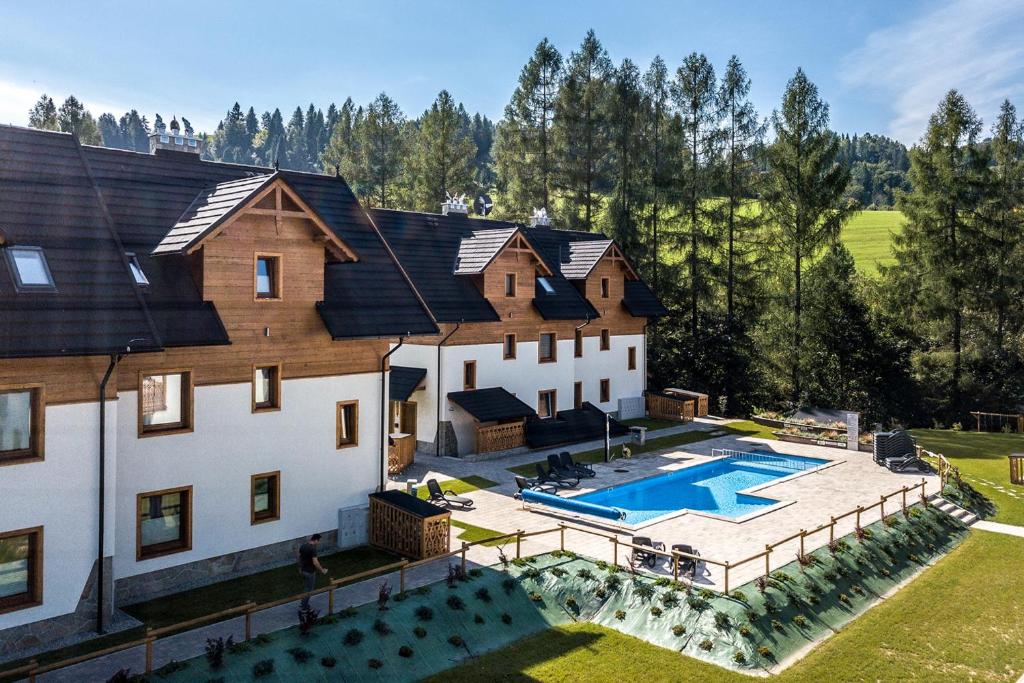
(173, 140)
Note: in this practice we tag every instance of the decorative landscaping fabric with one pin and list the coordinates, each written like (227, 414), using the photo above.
(749, 630)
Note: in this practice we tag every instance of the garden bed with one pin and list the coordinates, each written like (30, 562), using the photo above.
(752, 629)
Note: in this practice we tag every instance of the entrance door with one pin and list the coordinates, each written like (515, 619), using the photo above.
(407, 418)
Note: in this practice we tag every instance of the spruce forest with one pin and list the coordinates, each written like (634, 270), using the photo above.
(732, 215)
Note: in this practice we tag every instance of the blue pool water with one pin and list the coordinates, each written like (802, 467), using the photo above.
(708, 487)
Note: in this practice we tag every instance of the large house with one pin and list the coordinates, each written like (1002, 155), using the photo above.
(543, 332)
(193, 372)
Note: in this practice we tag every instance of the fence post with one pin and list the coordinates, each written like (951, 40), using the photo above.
(727, 577)
(904, 500)
(924, 497)
(32, 672)
(149, 651)
(675, 566)
(767, 560)
(519, 541)
(615, 550)
(401, 579)
(330, 600)
(803, 534)
(859, 510)
(248, 623)
(832, 531)
(561, 533)
(881, 508)
(465, 546)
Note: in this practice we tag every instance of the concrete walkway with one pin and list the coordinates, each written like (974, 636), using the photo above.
(999, 528)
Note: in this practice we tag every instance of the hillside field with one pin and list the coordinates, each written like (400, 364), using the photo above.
(868, 236)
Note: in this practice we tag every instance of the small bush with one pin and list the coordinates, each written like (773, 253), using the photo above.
(751, 615)
(476, 572)
(239, 648)
(697, 603)
(531, 573)
(655, 611)
(777, 625)
(765, 652)
(600, 593)
(536, 597)
(483, 595)
(264, 638)
(706, 645)
(707, 594)
(721, 620)
(643, 590)
(844, 598)
(662, 581)
(328, 662)
(571, 604)
(455, 602)
(508, 585)
(558, 572)
(353, 637)
(678, 630)
(300, 654)
(739, 657)
(381, 627)
(814, 600)
(620, 615)
(739, 595)
(506, 618)
(262, 668)
(745, 631)
(770, 607)
(857, 589)
(585, 574)
(612, 582)
(800, 620)
(601, 564)
(405, 651)
(424, 613)
(456, 640)
(477, 619)
(422, 590)
(885, 571)
(669, 599)
(375, 663)
(420, 632)
(215, 649)
(347, 613)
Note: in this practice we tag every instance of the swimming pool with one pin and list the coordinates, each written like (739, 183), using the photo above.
(710, 487)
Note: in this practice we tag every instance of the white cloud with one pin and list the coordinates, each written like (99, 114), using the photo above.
(975, 46)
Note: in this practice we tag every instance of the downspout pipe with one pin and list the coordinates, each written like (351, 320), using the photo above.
(383, 412)
(437, 435)
(101, 499)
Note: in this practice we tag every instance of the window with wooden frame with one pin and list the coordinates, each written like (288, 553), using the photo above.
(510, 284)
(577, 395)
(606, 390)
(163, 522)
(469, 375)
(606, 287)
(266, 388)
(22, 411)
(347, 432)
(547, 405)
(631, 358)
(606, 339)
(165, 402)
(267, 276)
(547, 349)
(266, 498)
(577, 350)
(509, 349)
(21, 569)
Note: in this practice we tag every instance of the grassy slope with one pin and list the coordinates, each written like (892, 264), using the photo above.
(868, 237)
(935, 629)
(981, 458)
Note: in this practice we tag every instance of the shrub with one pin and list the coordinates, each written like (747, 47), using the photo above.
(424, 613)
(383, 595)
(697, 603)
(571, 604)
(620, 615)
(721, 620)
(706, 645)
(601, 564)
(600, 593)
(558, 572)
(913, 558)
(264, 638)
(262, 668)
(857, 589)
(215, 649)
(884, 571)
(375, 663)
(655, 611)
(761, 583)
(353, 637)
(455, 602)
(804, 560)
(506, 618)
(239, 648)
(770, 607)
(531, 573)
(347, 613)
(643, 590)
(739, 657)
(745, 631)
(669, 599)
(800, 620)
(844, 598)
(777, 625)
(765, 652)
(476, 572)
(678, 630)
(478, 619)
(483, 595)
(456, 640)
(422, 590)
(752, 615)
(300, 654)
(420, 632)
(662, 581)
(585, 574)
(508, 585)
(612, 582)
(405, 651)
(707, 593)
(739, 595)
(307, 620)
(814, 600)
(328, 662)
(381, 627)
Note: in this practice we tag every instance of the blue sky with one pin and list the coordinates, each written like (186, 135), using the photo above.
(882, 65)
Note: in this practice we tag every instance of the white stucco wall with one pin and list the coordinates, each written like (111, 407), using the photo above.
(228, 444)
(422, 356)
(59, 494)
(596, 365)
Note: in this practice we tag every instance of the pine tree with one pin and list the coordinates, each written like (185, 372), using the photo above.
(134, 131)
(482, 130)
(271, 145)
(110, 133)
(73, 117)
(663, 141)
(43, 114)
(297, 158)
(441, 155)
(802, 195)
(523, 149)
(232, 142)
(314, 131)
(626, 116)
(694, 93)
(581, 132)
(340, 153)
(252, 124)
(380, 151)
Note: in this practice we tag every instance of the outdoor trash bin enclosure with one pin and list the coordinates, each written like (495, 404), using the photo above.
(408, 526)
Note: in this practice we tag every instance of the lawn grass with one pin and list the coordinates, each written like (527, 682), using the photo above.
(750, 428)
(457, 486)
(261, 587)
(981, 457)
(651, 423)
(934, 629)
(473, 534)
(868, 236)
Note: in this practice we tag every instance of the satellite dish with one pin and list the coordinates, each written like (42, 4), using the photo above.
(483, 205)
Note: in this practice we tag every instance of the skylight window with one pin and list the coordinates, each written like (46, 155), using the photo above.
(543, 282)
(140, 277)
(31, 272)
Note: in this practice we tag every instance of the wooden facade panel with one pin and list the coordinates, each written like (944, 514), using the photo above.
(66, 380)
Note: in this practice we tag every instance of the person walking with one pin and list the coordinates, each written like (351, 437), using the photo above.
(309, 565)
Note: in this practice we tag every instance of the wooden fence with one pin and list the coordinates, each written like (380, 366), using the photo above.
(401, 454)
(1017, 468)
(500, 437)
(662, 407)
(246, 611)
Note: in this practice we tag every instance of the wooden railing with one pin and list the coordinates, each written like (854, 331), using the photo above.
(500, 437)
(666, 408)
(401, 453)
(31, 669)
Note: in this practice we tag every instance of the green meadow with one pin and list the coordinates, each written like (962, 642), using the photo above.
(868, 236)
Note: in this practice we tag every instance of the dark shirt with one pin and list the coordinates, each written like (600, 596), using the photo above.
(307, 553)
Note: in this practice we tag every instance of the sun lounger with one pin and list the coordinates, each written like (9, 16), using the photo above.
(555, 465)
(583, 469)
(687, 565)
(447, 497)
(648, 558)
(906, 463)
(554, 478)
(524, 484)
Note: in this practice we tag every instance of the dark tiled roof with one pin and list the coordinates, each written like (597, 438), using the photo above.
(403, 381)
(491, 404)
(211, 207)
(478, 249)
(582, 256)
(640, 301)
(47, 200)
(565, 304)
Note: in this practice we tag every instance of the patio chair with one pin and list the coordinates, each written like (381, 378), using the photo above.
(687, 565)
(550, 477)
(447, 497)
(583, 469)
(524, 484)
(907, 462)
(643, 556)
(555, 465)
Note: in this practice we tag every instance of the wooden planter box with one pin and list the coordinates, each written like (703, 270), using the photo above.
(797, 438)
(768, 422)
(407, 526)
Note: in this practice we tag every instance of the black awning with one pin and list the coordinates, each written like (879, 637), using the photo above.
(487, 405)
(404, 381)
